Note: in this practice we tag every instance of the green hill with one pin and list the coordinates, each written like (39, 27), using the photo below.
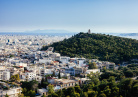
(101, 46)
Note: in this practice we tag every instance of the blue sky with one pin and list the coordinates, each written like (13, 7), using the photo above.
(71, 15)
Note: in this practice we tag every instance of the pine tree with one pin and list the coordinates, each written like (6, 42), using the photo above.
(59, 75)
(6, 95)
(50, 89)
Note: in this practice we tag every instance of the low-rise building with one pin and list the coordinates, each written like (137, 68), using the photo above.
(51, 80)
(73, 71)
(4, 75)
(92, 70)
(109, 65)
(12, 92)
(29, 76)
(42, 91)
(44, 72)
(63, 59)
(65, 83)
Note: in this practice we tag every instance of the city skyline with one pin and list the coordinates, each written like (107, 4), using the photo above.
(72, 15)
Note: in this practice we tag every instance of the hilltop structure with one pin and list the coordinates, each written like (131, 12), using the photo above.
(89, 31)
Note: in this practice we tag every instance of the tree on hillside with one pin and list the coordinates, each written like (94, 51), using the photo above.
(126, 87)
(31, 93)
(24, 91)
(53, 95)
(107, 91)
(129, 73)
(42, 82)
(92, 65)
(92, 93)
(60, 93)
(50, 89)
(77, 89)
(15, 77)
(104, 47)
(135, 90)
(115, 92)
(59, 75)
(32, 85)
(71, 91)
(6, 95)
(102, 95)
(94, 77)
(21, 95)
(84, 94)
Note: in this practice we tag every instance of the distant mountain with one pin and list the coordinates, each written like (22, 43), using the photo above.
(126, 35)
(49, 31)
(101, 46)
(129, 34)
(52, 32)
(41, 32)
(64, 33)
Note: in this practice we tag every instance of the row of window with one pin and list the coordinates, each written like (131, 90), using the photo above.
(71, 84)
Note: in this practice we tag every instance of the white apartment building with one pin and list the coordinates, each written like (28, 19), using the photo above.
(21, 64)
(63, 59)
(45, 60)
(29, 76)
(4, 75)
(1, 74)
(44, 72)
(92, 70)
(109, 65)
(81, 61)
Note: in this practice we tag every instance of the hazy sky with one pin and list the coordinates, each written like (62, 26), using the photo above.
(70, 15)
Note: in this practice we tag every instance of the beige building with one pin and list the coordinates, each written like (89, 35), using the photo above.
(66, 83)
(42, 91)
(12, 92)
